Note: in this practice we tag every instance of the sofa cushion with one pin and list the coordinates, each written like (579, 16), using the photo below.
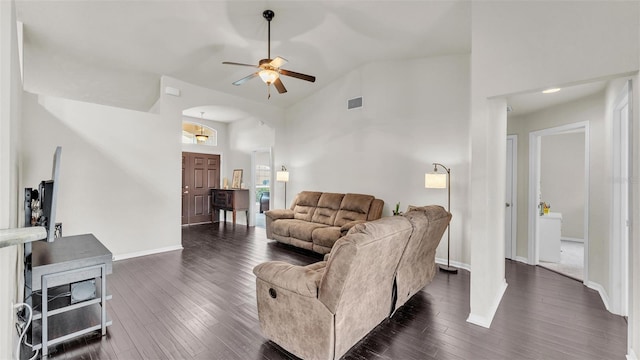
(326, 236)
(327, 208)
(305, 205)
(302, 230)
(353, 207)
(282, 226)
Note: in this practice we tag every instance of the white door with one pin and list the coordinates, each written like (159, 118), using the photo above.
(510, 210)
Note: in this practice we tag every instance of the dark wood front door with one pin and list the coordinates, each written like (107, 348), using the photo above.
(200, 174)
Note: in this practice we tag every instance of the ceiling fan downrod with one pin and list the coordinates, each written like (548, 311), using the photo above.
(268, 14)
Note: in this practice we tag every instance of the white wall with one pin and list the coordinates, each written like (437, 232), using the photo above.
(613, 90)
(592, 110)
(412, 116)
(562, 180)
(10, 114)
(115, 181)
(536, 44)
(245, 136)
(519, 47)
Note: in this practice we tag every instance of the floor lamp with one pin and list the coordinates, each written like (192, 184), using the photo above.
(437, 180)
(283, 176)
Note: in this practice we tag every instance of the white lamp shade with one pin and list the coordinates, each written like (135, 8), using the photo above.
(282, 176)
(435, 181)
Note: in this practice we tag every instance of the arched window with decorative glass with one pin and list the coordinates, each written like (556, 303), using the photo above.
(193, 133)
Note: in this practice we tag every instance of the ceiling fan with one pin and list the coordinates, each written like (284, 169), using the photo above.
(270, 70)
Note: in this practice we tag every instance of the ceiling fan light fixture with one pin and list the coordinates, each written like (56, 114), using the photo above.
(268, 76)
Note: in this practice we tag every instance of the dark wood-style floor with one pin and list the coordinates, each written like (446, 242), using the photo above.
(200, 303)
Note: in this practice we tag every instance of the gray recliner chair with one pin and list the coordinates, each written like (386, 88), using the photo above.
(321, 310)
(417, 265)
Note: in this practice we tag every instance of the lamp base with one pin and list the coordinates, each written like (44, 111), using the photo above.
(449, 269)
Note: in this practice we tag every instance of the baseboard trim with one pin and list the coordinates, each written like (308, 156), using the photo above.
(457, 264)
(522, 259)
(578, 240)
(632, 355)
(603, 293)
(200, 223)
(485, 320)
(146, 252)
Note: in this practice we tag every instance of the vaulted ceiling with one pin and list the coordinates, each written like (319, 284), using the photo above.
(114, 52)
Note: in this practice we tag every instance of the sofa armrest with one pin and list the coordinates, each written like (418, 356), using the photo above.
(344, 229)
(299, 279)
(279, 214)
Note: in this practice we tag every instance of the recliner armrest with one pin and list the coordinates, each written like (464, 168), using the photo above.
(344, 229)
(303, 280)
(279, 214)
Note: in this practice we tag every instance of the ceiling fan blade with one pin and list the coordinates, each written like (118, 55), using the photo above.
(241, 64)
(279, 86)
(277, 62)
(298, 75)
(245, 79)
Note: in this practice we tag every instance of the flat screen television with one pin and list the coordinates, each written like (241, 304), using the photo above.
(48, 193)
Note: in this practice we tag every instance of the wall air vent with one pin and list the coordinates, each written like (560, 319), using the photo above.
(171, 91)
(354, 103)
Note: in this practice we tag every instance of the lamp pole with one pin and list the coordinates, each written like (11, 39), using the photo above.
(448, 268)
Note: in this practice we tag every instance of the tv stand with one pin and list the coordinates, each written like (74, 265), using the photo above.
(54, 267)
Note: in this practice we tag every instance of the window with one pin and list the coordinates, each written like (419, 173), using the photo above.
(263, 174)
(190, 132)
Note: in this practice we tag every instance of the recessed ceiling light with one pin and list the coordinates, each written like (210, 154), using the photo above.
(551, 91)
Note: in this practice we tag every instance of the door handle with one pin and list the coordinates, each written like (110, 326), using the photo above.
(507, 204)
(186, 192)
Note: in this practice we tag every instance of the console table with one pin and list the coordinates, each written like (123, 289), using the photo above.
(54, 268)
(229, 200)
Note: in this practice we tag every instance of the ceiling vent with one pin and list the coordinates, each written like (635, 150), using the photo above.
(354, 103)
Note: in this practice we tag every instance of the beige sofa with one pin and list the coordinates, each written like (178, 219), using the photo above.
(316, 220)
(321, 310)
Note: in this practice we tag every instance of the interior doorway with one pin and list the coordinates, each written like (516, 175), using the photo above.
(555, 242)
(200, 174)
